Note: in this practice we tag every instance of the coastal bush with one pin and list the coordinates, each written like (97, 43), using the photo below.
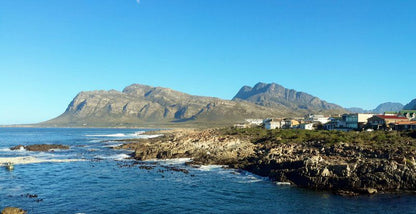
(411, 134)
(379, 139)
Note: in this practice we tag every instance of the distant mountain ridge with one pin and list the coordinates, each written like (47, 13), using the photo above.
(411, 105)
(143, 105)
(384, 107)
(276, 96)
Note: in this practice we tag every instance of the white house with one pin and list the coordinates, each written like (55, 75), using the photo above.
(290, 123)
(348, 122)
(256, 122)
(317, 118)
(355, 120)
(273, 123)
(306, 126)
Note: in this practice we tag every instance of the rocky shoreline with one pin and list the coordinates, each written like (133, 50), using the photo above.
(343, 168)
(40, 147)
(13, 210)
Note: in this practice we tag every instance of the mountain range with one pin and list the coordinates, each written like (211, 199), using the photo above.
(411, 105)
(276, 96)
(142, 105)
(384, 107)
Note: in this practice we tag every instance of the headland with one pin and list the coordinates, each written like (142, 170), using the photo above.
(346, 163)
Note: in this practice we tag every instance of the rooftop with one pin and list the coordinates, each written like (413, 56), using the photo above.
(405, 123)
(407, 111)
(391, 117)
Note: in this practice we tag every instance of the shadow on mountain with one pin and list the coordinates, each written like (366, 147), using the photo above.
(184, 120)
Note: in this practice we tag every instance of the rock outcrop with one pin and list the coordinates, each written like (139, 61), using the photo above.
(205, 147)
(342, 168)
(13, 210)
(40, 147)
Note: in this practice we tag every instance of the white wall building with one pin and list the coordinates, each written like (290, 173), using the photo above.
(306, 126)
(273, 123)
(257, 122)
(317, 118)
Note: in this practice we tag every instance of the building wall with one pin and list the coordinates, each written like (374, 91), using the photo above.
(306, 126)
(257, 122)
(272, 125)
(388, 121)
(362, 118)
(404, 127)
(351, 121)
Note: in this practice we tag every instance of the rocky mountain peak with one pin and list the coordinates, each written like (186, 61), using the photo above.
(383, 107)
(137, 89)
(275, 95)
(143, 104)
(388, 106)
(411, 105)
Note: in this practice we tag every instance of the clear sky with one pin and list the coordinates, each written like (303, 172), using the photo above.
(350, 52)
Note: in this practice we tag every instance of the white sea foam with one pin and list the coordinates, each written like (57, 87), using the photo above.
(210, 167)
(138, 134)
(5, 150)
(175, 161)
(21, 149)
(113, 145)
(121, 156)
(251, 179)
(32, 159)
(50, 155)
(149, 136)
(247, 177)
(282, 183)
(107, 135)
(115, 157)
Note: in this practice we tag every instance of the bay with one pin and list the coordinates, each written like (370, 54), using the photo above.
(103, 181)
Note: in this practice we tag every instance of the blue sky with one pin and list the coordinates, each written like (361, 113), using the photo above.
(352, 53)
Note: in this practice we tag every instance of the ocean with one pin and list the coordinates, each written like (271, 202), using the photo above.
(91, 177)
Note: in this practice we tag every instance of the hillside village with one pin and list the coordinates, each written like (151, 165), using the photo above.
(401, 120)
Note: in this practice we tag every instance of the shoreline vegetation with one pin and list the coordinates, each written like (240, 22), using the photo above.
(346, 163)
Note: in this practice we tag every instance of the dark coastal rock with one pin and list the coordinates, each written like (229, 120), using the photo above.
(332, 172)
(41, 147)
(344, 168)
(13, 210)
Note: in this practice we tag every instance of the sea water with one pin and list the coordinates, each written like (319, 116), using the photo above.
(104, 181)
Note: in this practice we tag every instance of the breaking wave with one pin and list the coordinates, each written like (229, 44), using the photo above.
(117, 157)
(33, 159)
(5, 150)
(210, 167)
(113, 145)
(111, 135)
(138, 134)
(175, 161)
